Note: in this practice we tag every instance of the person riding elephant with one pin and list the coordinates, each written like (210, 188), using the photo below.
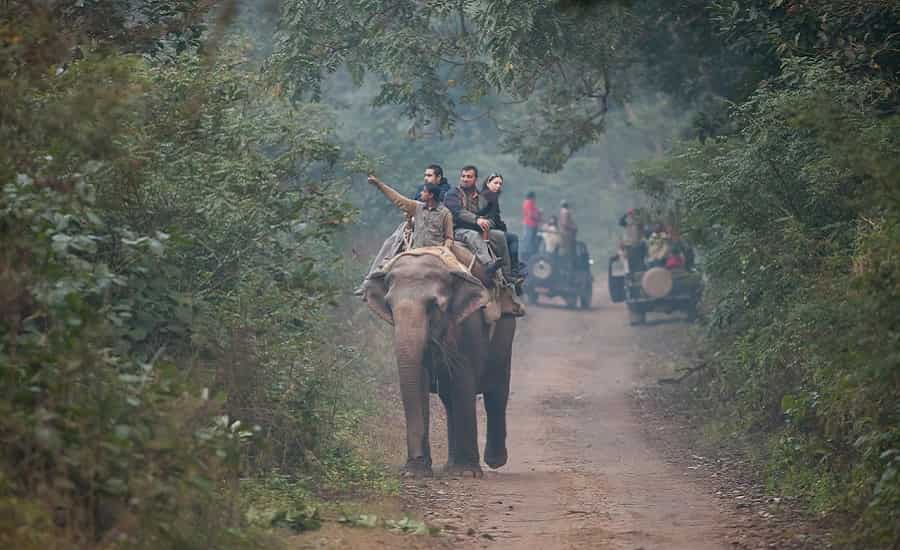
(464, 202)
(434, 176)
(490, 192)
(443, 342)
(432, 222)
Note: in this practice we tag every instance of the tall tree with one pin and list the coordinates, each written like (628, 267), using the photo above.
(440, 59)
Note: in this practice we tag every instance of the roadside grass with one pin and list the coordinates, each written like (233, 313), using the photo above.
(764, 458)
(353, 483)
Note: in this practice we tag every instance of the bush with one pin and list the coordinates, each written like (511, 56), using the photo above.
(797, 219)
(166, 278)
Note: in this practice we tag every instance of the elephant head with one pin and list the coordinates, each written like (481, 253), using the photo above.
(424, 291)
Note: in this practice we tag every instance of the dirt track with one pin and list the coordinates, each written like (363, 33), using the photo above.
(582, 472)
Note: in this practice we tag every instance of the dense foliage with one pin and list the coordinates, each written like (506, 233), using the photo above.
(176, 193)
(441, 61)
(795, 205)
(786, 176)
(167, 226)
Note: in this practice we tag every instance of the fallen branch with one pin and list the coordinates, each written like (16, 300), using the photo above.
(686, 372)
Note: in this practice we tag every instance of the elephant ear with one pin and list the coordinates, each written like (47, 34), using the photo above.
(469, 295)
(375, 293)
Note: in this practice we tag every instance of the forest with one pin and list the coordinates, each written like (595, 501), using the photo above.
(183, 217)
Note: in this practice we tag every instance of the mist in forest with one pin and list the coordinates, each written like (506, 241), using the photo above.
(184, 212)
(596, 181)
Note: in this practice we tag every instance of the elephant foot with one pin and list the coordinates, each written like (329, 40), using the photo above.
(464, 470)
(495, 456)
(417, 468)
(496, 460)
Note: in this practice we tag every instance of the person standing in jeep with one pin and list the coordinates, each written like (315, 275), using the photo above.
(568, 232)
(531, 219)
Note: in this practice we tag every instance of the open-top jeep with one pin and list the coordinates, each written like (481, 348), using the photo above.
(646, 289)
(550, 274)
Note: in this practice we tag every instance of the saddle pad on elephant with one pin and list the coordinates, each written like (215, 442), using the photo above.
(441, 252)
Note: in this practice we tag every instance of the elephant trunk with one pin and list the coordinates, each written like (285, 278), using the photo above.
(410, 333)
(410, 342)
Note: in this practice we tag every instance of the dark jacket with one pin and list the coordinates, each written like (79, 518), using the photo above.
(464, 209)
(490, 209)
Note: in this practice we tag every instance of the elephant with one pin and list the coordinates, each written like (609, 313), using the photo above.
(443, 344)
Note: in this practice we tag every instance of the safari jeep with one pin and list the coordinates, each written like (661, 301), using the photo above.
(655, 289)
(548, 277)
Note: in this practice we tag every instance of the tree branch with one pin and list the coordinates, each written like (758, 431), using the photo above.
(462, 19)
(686, 372)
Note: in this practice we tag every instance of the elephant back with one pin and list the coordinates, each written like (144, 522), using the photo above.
(442, 253)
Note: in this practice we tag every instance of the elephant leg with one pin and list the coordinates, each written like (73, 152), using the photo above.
(416, 408)
(447, 400)
(463, 427)
(496, 392)
(495, 454)
(414, 386)
(463, 385)
(426, 418)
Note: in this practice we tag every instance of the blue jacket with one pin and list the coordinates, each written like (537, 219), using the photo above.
(443, 186)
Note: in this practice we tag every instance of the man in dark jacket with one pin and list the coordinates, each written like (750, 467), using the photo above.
(470, 229)
(434, 175)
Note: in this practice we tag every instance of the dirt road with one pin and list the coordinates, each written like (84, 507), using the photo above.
(580, 473)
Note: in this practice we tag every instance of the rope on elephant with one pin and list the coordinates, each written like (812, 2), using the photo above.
(451, 356)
